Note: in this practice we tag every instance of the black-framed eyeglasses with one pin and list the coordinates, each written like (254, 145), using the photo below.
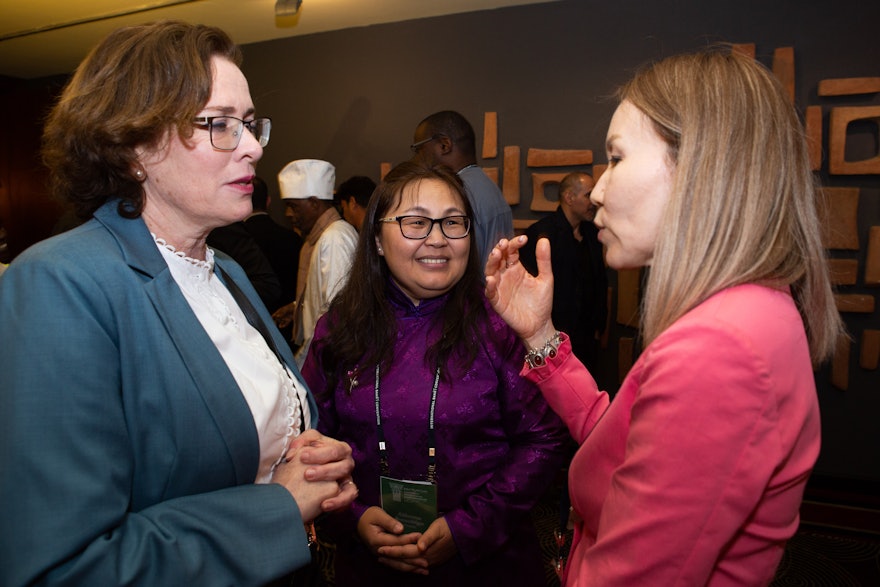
(225, 131)
(418, 144)
(419, 227)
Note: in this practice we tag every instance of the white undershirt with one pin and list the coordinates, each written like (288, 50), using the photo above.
(273, 394)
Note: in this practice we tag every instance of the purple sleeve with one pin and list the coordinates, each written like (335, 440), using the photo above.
(537, 439)
(328, 423)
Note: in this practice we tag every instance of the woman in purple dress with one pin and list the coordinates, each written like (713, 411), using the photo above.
(420, 376)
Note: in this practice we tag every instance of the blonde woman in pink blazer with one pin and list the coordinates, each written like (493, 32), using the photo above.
(694, 474)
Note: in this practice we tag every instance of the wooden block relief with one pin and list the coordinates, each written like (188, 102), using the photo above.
(384, 168)
(598, 170)
(840, 364)
(872, 260)
(838, 217)
(628, 284)
(510, 185)
(849, 86)
(492, 172)
(490, 135)
(838, 122)
(625, 347)
(856, 303)
(869, 357)
(843, 271)
(783, 69)
(558, 157)
(813, 124)
(540, 181)
(520, 225)
(747, 49)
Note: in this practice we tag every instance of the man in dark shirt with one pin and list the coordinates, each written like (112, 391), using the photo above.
(580, 306)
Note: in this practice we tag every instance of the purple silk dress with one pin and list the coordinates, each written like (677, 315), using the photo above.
(499, 446)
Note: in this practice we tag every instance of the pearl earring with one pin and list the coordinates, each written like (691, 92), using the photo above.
(139, 173)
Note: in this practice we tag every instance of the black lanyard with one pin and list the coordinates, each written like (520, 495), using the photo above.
(383, 455)
(253, 318)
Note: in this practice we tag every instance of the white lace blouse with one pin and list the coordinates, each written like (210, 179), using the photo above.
(276, 399)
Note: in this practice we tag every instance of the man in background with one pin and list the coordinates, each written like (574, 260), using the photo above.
(280, 245)
(328, 248)
(448, 138)
(352, 197)
(580, 306)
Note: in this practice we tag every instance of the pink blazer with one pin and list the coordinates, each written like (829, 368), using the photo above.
(694, 474)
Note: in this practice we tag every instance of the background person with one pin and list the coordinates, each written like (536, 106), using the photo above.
(236, 241)
(694, 474)
(328, 247)
(413, 316)
(158, 440)
(580, 306)
(280, 245)
(448, 138)
(352, 197)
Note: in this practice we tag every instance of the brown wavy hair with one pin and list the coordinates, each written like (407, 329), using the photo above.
(134, 87)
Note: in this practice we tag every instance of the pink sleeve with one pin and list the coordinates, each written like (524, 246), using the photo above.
(700, 451)
(570, 390)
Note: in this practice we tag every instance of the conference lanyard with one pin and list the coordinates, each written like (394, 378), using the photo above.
(383, 455)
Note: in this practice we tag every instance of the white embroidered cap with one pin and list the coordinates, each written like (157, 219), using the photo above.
(304, 178)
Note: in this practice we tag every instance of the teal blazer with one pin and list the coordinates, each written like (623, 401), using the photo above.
(127, 451)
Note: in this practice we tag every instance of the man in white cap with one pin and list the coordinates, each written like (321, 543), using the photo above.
(328, 247)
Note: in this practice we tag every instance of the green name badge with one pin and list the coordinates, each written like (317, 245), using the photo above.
(412, 503)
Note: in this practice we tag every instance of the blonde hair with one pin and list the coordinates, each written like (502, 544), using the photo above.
(743, 201)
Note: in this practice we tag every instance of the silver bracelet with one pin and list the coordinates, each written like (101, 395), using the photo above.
(537, 357)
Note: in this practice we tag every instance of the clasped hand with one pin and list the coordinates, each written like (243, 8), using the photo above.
(317, 473)
(411, 553)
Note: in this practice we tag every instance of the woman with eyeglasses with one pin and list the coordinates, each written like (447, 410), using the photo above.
(155, 429)
(414, 370)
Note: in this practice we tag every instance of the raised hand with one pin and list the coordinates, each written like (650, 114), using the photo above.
(524, 301)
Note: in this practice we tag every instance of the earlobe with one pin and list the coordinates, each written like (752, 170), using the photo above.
(379, 247)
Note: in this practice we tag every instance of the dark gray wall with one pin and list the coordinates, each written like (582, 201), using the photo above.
(354, 98)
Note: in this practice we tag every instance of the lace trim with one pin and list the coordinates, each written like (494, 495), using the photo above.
(206, 264)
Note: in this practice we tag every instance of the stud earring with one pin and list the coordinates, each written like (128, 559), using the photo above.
(139, 173)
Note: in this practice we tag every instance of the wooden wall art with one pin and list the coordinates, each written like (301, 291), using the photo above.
(747, 49)
(558, 157)
(813, 124)
(840, 364)
(838, 217)
(872, 260)
(490, 135)
(840, 119)
(869, 358)
(858, 303)
(540, 182)
(628, 285)
(849, 86)
(783, 68)
(843, 271)
(510, 181)
(492, 173)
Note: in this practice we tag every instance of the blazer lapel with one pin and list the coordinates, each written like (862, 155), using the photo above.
(211, 376)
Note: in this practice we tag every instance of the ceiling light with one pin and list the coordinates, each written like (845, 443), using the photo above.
(287, 7)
